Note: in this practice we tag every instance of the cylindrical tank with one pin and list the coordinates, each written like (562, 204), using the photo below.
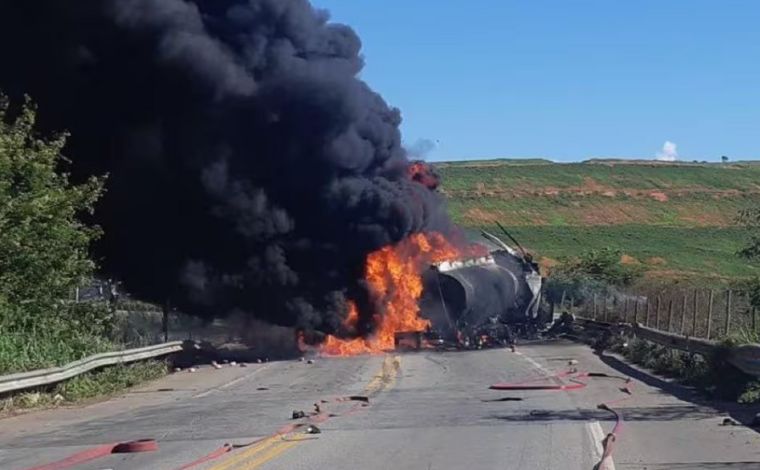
(471, 292)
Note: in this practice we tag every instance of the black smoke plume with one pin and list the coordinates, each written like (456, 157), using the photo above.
(250, 169)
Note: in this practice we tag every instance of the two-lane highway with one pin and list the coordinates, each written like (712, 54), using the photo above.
(426, 410)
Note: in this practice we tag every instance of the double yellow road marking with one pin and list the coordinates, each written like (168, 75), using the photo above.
(385, 379)
(258, 454)
(270, 448)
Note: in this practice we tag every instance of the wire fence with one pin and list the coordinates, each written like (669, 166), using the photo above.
(699, 313)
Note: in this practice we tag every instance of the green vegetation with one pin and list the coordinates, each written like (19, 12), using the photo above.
(595, 270)
(676, 221)
(714, 375)
(100, 383)
(110, 380)
(43, 251)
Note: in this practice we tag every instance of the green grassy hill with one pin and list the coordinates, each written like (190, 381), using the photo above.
(677, 219)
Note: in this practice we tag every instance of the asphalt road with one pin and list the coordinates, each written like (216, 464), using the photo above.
(426, 410)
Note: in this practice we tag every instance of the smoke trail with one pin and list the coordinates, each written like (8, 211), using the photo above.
(250, 169)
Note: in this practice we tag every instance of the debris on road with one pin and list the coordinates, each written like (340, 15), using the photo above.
(317, 409)
(192, 369)
(233, 363)
(729, 422)
(177, 369)
(310, 361)
(298, 414)
(216, 365)
(311, 429)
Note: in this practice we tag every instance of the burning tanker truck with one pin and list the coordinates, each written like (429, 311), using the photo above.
(481, 301)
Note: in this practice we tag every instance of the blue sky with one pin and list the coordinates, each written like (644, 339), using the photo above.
(566, 79)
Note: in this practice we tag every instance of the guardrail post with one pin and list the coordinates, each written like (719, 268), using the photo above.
(670, 315)
(728, 312)
(657, 314)
(709, 312)
(683, 314)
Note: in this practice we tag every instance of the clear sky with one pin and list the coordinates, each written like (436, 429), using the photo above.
(566, 79)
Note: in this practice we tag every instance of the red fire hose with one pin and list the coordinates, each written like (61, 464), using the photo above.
(143, 445)
(573, 376)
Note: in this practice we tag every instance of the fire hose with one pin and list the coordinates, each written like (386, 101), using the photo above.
(143, 445)
(573, 376)
(149, 445)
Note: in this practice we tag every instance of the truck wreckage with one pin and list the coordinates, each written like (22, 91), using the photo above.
(479, 302)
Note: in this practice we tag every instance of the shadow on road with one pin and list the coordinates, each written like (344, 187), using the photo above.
(741, 413)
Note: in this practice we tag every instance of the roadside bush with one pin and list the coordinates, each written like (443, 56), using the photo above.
(597, 271)
(43, 249)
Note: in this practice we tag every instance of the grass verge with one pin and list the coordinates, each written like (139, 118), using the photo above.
(714, 375)
(101, 383)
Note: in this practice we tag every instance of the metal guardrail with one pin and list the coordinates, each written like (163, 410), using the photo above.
(745, 357)
(42, 377)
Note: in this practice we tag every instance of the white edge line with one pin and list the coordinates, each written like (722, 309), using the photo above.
(230, 383)
(596, 433)
(597, 437)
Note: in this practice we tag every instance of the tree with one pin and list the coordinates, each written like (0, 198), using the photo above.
(724, 159)
(596, 270)
(43, 243)
(750, 218)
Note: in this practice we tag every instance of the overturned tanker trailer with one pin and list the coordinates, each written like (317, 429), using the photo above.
(472, 296)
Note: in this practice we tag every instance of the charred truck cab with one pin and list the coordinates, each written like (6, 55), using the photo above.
(483, 301)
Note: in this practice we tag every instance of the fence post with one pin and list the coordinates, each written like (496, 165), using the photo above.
(754, 319)
(657, 314)
(709, 313)
(670, 315)
(165, 321)
(604, 309)
(694, 315)
(728, 312)
(635, 310)
(562, 301)
(594, 306)
(649, 308)
(683, 314)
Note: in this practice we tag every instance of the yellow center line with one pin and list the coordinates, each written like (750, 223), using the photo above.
(270, 454)
(247, 453)
(385, 379)
(271, 447)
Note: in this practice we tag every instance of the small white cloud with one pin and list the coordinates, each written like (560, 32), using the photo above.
(669, 152)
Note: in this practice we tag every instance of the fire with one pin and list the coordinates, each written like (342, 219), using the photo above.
(394, 276)
(424, 174)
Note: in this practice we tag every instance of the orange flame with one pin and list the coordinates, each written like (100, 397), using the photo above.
(394, 276)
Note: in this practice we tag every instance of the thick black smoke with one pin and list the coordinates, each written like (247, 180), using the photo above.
(250, 169)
